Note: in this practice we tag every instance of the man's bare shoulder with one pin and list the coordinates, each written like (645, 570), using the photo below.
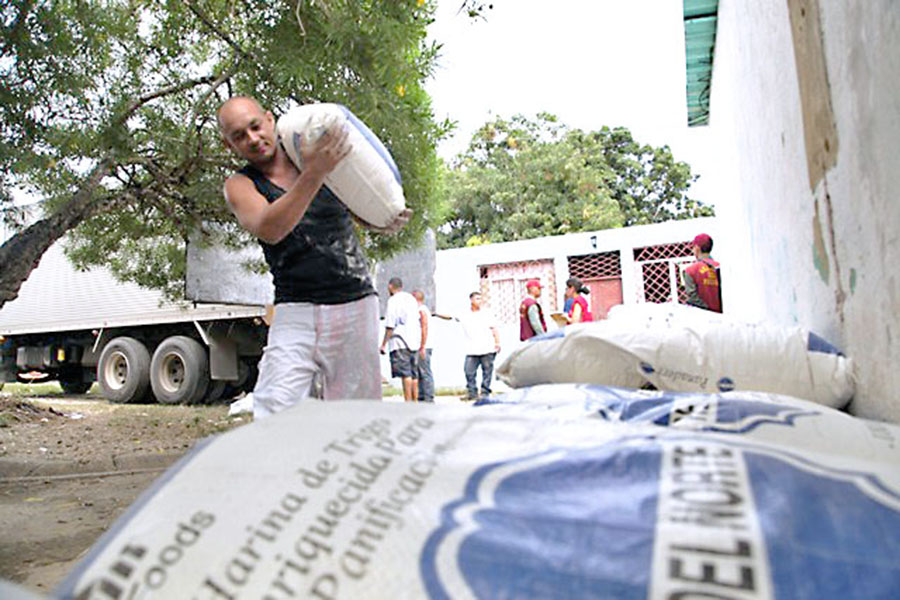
(239, 187)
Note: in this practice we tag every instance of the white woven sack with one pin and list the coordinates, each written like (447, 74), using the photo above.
(367, 181)
(685, 349)
(742, 497)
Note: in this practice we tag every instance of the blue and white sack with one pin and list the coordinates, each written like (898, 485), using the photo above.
(681, 348)
(540, 498)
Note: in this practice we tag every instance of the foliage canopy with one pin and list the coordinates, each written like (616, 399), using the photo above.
(524, 178)
(107, 112)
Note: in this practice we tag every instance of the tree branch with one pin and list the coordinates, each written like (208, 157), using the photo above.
(196, 130)
(11, 36)
(21, 253)
(215, 29)
(166, 91)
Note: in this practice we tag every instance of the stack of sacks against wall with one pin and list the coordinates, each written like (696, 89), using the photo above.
(681, 348)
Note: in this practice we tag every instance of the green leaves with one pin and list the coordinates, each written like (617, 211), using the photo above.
(139, 81)
(521, 179)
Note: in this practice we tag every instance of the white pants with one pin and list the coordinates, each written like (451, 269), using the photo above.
(338, 343)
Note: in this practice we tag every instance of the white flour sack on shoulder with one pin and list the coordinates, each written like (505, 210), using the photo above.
(367, 181)
(685, 349)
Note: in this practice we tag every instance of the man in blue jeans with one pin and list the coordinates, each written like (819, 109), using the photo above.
(426, 377)
(482, 346)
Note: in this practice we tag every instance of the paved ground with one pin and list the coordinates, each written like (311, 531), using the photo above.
(69, 467)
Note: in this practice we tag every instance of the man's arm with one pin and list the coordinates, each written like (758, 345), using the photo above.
(444, 317)
(423, 322)
(391, 321)
(388, 332)
(272, 222)
(534, 319)
(496, 339)
(690, 288)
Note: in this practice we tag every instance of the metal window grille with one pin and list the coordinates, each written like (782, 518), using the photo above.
(659, 269)
(676, 250)
(502, 286)
(595, 266)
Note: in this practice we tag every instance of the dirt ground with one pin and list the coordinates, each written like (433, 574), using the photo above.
(69, 466)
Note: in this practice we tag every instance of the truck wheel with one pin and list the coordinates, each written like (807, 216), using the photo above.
(124, 370)
(179, 371)
(215, 391)
(75, 387)
(248, 383)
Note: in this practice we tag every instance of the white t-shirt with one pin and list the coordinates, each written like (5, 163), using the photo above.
(477, 329)
(403, 317)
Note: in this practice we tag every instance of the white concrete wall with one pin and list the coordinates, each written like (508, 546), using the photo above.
(851, 295)
(457, 275)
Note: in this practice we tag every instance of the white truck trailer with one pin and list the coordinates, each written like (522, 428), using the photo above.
(80, 327)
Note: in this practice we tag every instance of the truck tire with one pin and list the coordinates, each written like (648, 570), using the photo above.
(75, 387)
(124, 370)
(247, 383)
(215, 391)
(179, 371)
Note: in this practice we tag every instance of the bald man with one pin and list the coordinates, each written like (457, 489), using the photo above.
(326, 311)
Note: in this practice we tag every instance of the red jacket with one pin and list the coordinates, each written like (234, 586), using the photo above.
(525, 329)
(701, 282)
(585, 309)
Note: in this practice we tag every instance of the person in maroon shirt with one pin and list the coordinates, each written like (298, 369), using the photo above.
(531, 316)
(579, 311)
(701, 279)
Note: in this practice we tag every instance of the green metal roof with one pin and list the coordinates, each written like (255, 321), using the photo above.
(700, 19)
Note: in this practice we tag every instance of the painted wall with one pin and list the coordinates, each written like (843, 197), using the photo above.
(822, 249)
(414, 267)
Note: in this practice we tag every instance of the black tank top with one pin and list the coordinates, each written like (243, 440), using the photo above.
(321, 260)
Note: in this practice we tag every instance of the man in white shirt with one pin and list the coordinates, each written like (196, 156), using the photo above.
(426, 377)
(482, 346)
(403, 337)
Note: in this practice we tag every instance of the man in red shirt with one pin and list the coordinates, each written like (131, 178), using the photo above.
(701, 278)
(531, 317)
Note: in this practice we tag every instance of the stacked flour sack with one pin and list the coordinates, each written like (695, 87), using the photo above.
(681, 348)
(561, 490)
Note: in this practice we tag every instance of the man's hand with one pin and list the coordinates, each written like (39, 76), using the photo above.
(323, 155)
(422, 352)
(394, 226)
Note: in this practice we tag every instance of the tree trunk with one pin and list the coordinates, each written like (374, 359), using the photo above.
(22, 253)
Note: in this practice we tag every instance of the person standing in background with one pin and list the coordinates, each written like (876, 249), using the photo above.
(531, 316)
(482, 345)
(426, 377)
(702, 281)
(579, 312)
(403, 337)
